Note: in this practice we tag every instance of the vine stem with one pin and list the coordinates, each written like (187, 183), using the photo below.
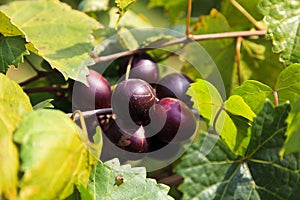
(188, 19)
(183, 40)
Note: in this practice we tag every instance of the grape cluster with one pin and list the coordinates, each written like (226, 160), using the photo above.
(147, 114)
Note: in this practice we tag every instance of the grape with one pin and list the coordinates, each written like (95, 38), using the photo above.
(142, 67)
(130, 139)
(178, 120)
(132, 99)
(169, 150)
(96, 96)
(174, 85)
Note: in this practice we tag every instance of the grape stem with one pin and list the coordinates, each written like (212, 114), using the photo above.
(188, 21)
(183, 40)
(108, 111)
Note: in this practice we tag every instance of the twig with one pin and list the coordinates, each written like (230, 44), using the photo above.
(238, 58)
(182, 40)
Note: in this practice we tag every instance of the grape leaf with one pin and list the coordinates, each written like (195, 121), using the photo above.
(123, 7)
(288, 84)
(53, 157)
(222, 175)
(291, 144)
(283, 19)
(14, 104)
(7, 28)
(111, 180)
(12, 50)
(223, 116)
(254, 94)
(63, 39)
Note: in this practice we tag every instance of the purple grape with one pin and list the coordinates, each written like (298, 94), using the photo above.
(96, 96)
(132, 99)
(174, 85)
(178, 120)
(131, 139)
(142, 67)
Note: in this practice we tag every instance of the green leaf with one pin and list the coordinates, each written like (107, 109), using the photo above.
(126, 39)
(291, 144)
(237, 106)
(93, 5)
(12, 50)
(288, 84)
(123, 7)
(63, 39)
(53, 157)
(44, 104)
(14, 104)
(206, 98)
(111, 180)
(283, 27)
(7, 28)
(254, 94)
(221, 175)
(223, 117)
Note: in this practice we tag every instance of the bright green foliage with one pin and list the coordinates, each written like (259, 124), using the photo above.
(283, 18)
(221, 175)
(53, 158)
(112, 181)
(288, 84)
(230, 119)
(254, 94)
(57, 33)
(293, 131)
(14, 104)
(123, 7)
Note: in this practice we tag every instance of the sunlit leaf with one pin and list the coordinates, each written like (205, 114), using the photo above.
(283, 19)
(14, 104)
(53, 157)
(60, 35)
(254, 94)
(111, 180)
(7, 28)
(229, 119)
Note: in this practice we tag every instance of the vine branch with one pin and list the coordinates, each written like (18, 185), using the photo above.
(183, 40)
